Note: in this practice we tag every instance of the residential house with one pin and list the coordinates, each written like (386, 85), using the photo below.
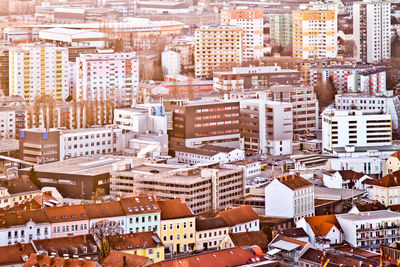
(364, 206)
(111, 211)
(287, 250)
(323, 230)
(147, 244)
(393, 163)
(122, 259)
(78, 246)
(23, 227)
(208, 153)
(142, 214)
(15, 191)
(345, 179)
(387, 189)
(296, 233)
(43, 260)
(68, 221)
(178, 226)
(210, 232)
(241, 219)
(258, 238)
(15, 255)
(289, 196)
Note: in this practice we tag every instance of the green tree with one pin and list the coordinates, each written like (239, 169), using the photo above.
(34, 178)
(267, 231)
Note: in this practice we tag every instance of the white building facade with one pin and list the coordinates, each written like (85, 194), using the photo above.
(170, 62)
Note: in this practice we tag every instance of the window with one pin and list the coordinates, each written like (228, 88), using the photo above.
(165, 227)
(158, 254)
(171, 237)
(178, 236)
(171, 226)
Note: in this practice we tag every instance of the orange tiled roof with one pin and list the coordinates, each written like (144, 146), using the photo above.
(321, 225)
(294, 181)
(42, 260)
(350, 175)
(140, 204)
(249, 239)
(174, 208)
(116, 259)
(396, 154)
(238, 215)
(104, 209)
(389, 180)
(141, 240)
(14, 254)
(61, 243)
(66, 213)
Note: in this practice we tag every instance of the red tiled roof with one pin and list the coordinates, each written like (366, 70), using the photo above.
(116, 259)
(289, 239)
(238, 215)
(142, 240)
(14, 254)
(350, 175)
(376, 205)
(42, 260)
(140, 204)
(66, 213)
(60, 243)
(21, 218)
(396, 154)
(104, 210)
(174, 208)
(249, 239)
(294, 181)
(321, 225)
(389, 180)
(226, 258)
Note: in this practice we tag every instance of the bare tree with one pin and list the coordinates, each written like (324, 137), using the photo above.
(349, 47)
(106, 233)
(36, 111)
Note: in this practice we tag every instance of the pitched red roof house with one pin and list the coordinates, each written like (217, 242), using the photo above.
(238, 215)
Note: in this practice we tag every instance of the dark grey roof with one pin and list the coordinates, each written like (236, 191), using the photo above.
(210, 223)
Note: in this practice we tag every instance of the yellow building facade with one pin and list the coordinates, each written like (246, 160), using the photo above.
(178, 235)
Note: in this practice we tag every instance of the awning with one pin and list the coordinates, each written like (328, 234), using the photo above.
(273, 252)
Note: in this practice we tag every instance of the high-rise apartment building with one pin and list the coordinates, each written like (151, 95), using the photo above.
(371, 26)
(107, 76)
(37, 70)
(314, 33)
(217, 48)
(281, 28)
(251, 22)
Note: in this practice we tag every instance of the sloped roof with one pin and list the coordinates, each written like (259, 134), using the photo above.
(21, 218)
(16, 186)
(227, 257)
(376, 205)
(116, 259)
(335, 259)
(294, 241)
(140, 204)
(104, 210)
(66, 213)
(294, 181)
(350, 175)
(61, 243)
(249, 239)
(42, 260)
(321, 225)
(174, 208)
(14, 254)
(396, 154)
(210, 223)
(294, 232)
(142, 240)
(238, 215)
(389, 180)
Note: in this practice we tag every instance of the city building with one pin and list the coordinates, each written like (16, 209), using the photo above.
(353, 129)
(208, 153)
(15, 255)
(241, 219)
(68, 221)
(106, 212)
(392, 164)
(369, 230)
(12, 120)
(244, 78)
(379, 103)
(178, 226)
(372, 81)
(210, 232)
(207, 188)
(267, 126)
(314, 33)
(289, 196)
(4, 69)
(16, 191)
(251, 168)
(142, 214)
(170, 62)
(38, 70)
(217, 48)
(147, 244)
(199, 123)
(323, 230)
(286, 249)
(345, 179)
(107, 75)
(39, 145)
(251, 22)
(281, 28)
(372, 30)
(386, 189)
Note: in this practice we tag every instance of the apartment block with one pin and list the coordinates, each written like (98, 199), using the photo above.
(314, 33)
(39, 146)
(372, 81)
(170, 62)
(372, 30)
(205, 189)
(305, 106)
(384, 103)
(267, 126)
(200, 123)
(244, 78)
(4, 69)
(251, 21)
(217, 48)
(12, 120)
(106, 75)
(281, 28)
(208, 153)
(355, 129)
(37, 70)
(369, 230)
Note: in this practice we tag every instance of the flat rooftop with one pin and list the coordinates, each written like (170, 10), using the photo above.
(80, 166)
(335, 194)
(369, 215)
(388, 148)
(7, 145)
